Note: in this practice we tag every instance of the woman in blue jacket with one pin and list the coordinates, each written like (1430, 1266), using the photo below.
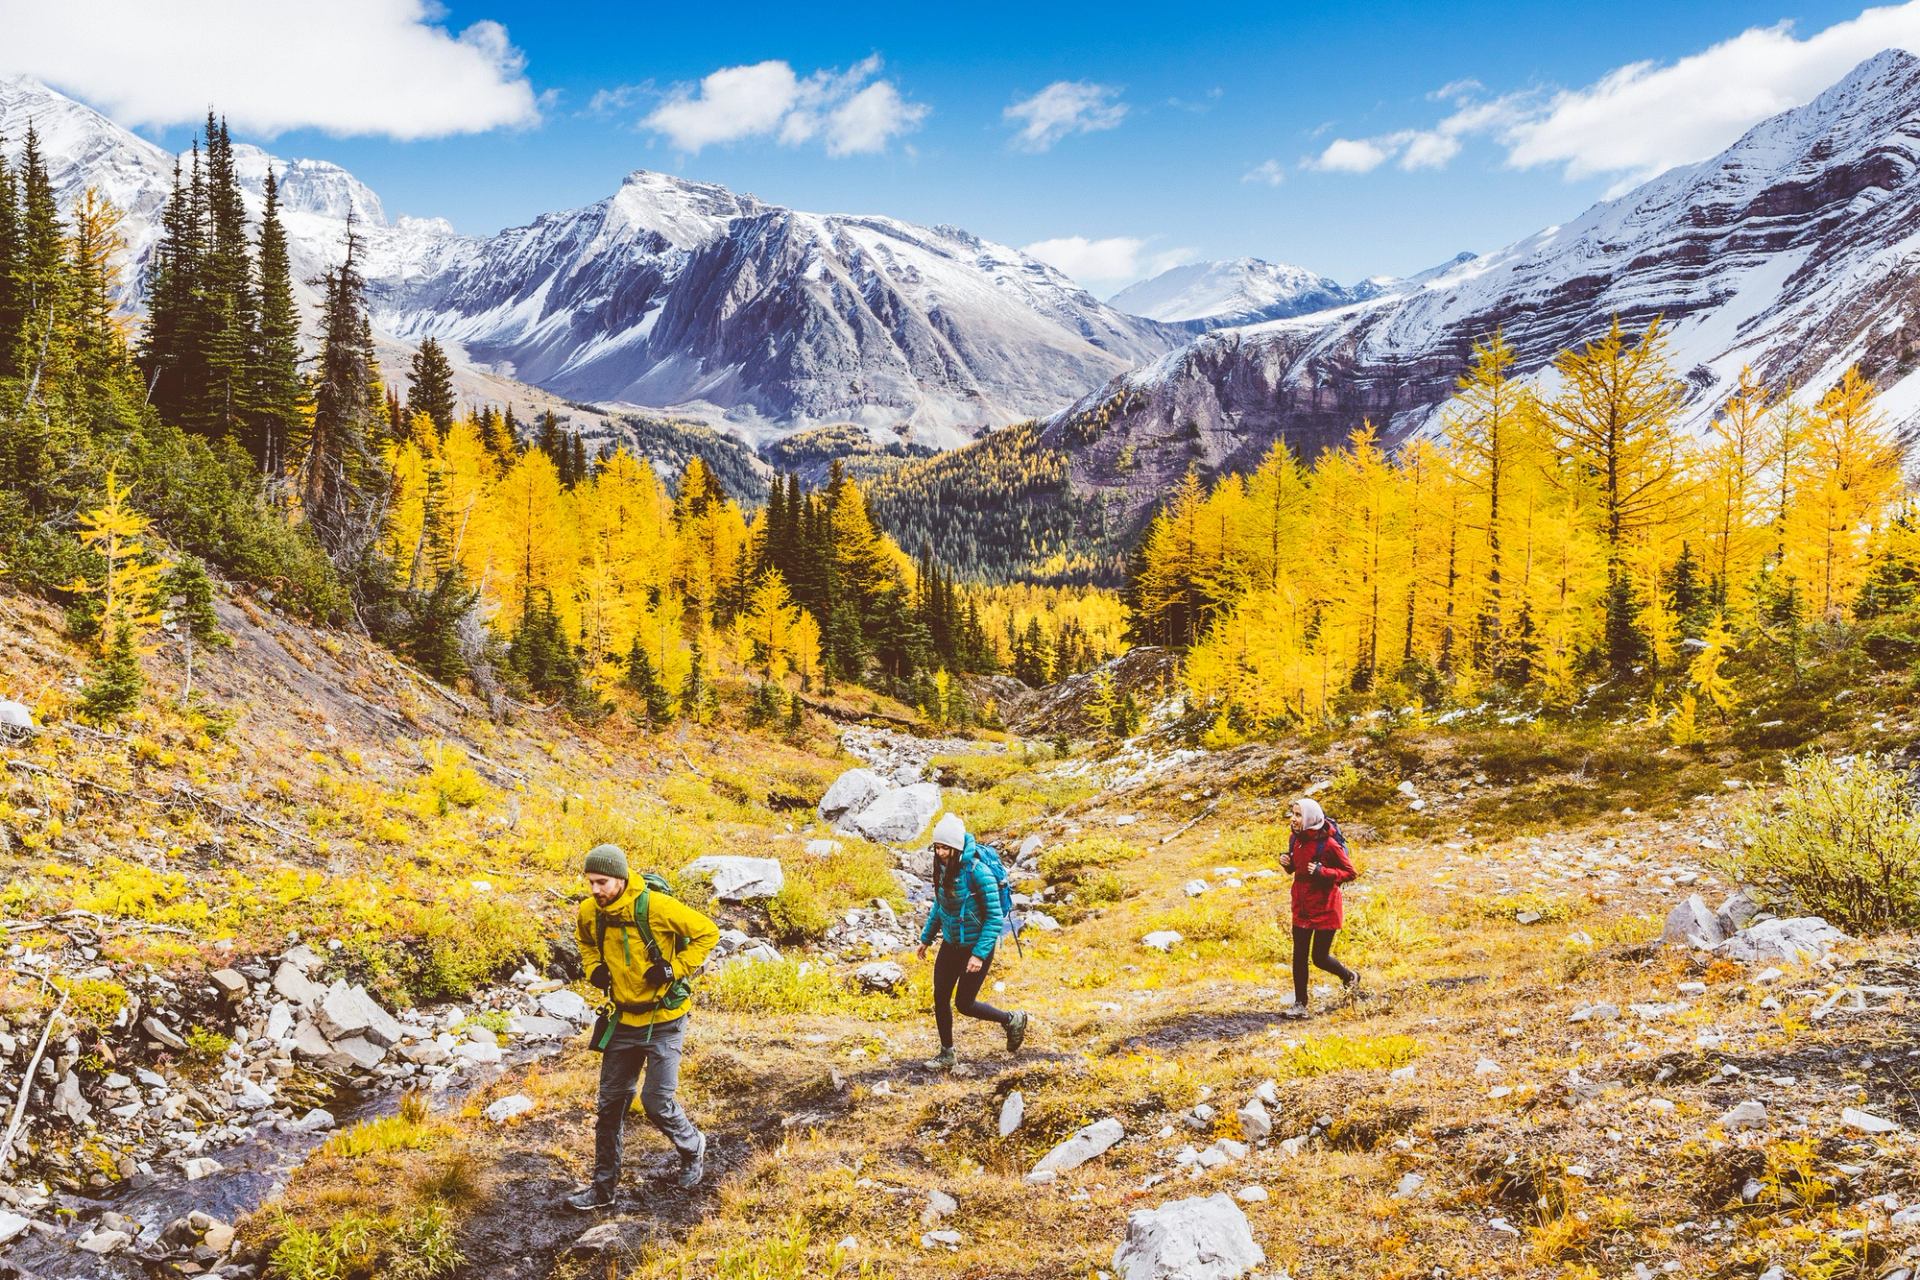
(967, 917)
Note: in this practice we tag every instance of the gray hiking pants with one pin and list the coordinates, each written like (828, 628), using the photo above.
(632, 1052)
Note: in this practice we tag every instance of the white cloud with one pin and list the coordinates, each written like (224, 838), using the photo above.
(1270, 172)
(620, 98)
(346, 67)
(849, 110)
(1644, 118)
(1062, 108)
(1111, 261)
(870, 118)
(1351, 155)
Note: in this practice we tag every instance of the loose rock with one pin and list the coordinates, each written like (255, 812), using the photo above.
(1188, 1240)
(1082, 1146)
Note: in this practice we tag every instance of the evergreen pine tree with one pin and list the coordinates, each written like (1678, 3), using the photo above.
(693, 692)
(232, 310)
(279, 392)
(796, 714)
(43, 275)
(191, 591)
(340, 475)
(431, 385)
(12, 306)
(1692, 601)
(646, 682)
(431, 633)
(113, 688)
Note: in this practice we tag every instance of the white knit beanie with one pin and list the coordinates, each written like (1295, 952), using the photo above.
(1311, 813)
(950, 831)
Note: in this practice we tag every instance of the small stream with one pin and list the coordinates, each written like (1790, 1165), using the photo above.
(253, 1171)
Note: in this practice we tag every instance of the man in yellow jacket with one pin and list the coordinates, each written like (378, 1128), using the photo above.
(639, 945)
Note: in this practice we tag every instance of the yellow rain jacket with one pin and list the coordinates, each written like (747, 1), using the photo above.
(611, 936)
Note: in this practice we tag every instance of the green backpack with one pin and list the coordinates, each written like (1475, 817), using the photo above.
(678, 992)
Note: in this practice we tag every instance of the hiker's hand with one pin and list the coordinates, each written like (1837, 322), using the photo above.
(658, 975)
(923, 951)
(975, 964)
(601, 978)
(1313, 868)
(1286, 862)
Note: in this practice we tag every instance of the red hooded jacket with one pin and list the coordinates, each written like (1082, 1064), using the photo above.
(1316, 898)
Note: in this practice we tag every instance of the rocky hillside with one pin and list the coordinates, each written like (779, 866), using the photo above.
(1793, 252)
(289, 995)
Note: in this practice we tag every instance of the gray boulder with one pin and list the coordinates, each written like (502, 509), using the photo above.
(347, 1011)
(1085, 1144)
(534, 1027)
(851, 792)
(354, 1054)
(1792, 940)
(1737, 912)
(897, 816)
(567, 1006)
(1198, 1239)
(1692, 924)
(12, 1226)
(738, 879)
(880, 975)
(308, 1041)
(291, 981)
(15, 715)
(1771, 941)
(1012, 1112)
(68, 1102)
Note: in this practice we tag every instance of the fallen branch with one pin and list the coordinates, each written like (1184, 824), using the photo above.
(198, 797)
(1192, 822)
(26, 1079)
(71, 781)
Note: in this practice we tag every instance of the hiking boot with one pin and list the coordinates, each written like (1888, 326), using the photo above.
(692, 1171)
(589, 1200)
(1016, 1032)
(1293, 1012)
(945, 1060)
(1352, 985)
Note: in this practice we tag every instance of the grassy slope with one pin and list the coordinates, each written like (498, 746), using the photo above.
(830, 1129)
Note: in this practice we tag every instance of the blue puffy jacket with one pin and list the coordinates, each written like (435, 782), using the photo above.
(966, 906)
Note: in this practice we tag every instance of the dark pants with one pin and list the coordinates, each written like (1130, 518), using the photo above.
(1320, 943)
(631, 1052)
(955, 988)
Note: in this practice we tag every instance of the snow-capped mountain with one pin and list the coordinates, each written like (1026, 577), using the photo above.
(1240, 291)
(669, 294)
(1795, 251)
(689, 296)
(1218, 295)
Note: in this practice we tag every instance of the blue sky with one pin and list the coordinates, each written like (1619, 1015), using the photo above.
(1353, 141)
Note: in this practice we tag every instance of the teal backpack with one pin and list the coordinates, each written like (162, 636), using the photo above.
(990, 858)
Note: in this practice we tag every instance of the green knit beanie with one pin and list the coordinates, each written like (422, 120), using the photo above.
(607, 860)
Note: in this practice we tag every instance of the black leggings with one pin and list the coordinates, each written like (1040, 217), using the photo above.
(955, 988)
(1321, 943)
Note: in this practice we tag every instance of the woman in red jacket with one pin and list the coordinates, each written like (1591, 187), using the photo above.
(1319, 863)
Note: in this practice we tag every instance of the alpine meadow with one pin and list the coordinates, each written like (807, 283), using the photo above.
(690, 739)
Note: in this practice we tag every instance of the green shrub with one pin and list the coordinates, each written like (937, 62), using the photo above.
(1841, 840)
(1318, 1055)
(1100, 887)
(1065, 861)
(974, 771)
(795, 987)
(796, 914)
(418, 1245)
